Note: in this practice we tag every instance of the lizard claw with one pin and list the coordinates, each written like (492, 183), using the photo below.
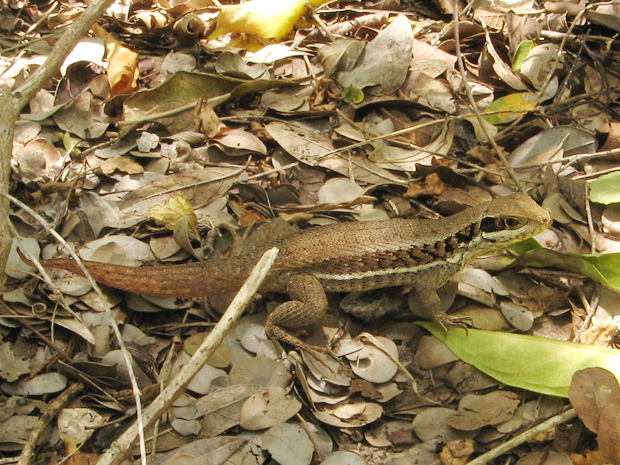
(444, 320)
(316, 351)
(277, 335)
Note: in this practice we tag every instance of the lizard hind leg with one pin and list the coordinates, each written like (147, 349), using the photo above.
(308, 305)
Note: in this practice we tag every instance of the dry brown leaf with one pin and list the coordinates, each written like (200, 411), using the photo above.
(122, 63)
(121, 163)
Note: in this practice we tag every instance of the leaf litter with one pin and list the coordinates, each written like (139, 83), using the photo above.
(203, 121)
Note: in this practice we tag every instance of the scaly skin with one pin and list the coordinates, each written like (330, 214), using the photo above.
(344, 257)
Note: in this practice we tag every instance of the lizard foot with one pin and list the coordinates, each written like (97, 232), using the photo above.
(444, 320)
(277, 335)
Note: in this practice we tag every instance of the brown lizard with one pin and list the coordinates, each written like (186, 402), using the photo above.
(419, 253)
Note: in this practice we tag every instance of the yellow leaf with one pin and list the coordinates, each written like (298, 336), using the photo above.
(267, 19)
(511, 107)
(172, 211)
(122, 63)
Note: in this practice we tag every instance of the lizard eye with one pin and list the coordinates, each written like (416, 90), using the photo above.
(512, 222)
(493, 224)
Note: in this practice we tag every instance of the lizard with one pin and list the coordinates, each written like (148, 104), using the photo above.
(422, 254)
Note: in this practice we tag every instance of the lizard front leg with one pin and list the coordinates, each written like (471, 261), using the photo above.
(430, 303)
(308, 304)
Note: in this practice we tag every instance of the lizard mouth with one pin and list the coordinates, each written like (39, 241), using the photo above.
(513, 230)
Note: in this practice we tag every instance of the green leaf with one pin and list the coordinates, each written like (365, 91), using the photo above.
(179, 90)
(510, 107)
(353, 94)
(606, 189)
(534, 363)
(69, 144)
(603, 268)
(525, 246)
(608, 265)
(521, 54)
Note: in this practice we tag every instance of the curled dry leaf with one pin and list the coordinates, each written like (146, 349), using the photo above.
(116, 359)
(83, 117)
(233, 64)
(267, 408)
(166, 248)
(350, 414)
(404, 159)
(539, 62)
(117, 249)
(611, 219)
(37, 160)
(482, 280)
(76, 327)
(372, 363)
(393, 432)
(571, 140)
(340, 55)
(240, 143)
(181, 89)
(457, 451)
(122, 63)
(322, 374)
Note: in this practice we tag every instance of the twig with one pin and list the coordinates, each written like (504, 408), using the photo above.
(126, 355)
(589, 308)
(524, 437)
(61, 50)
(50, 412)
(556, 62)
(118, 450)
(13, 102)
(472, 101)
(61, 353)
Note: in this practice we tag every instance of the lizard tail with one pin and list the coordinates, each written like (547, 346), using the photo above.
(183, 281)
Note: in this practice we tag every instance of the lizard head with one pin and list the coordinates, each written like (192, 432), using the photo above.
(510, 219)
